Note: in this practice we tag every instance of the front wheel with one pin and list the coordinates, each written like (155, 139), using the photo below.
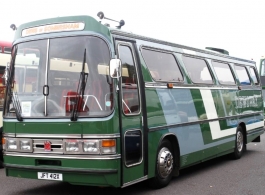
(164, 166)
(240, 145)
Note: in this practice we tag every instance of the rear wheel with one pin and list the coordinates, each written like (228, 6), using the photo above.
(164, 166)
(240, 145)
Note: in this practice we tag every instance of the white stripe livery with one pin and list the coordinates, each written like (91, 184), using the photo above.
(212, 114)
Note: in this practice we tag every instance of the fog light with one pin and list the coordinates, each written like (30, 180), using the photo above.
(71, 146)
(91, 146)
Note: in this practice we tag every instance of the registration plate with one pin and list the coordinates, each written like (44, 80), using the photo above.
(50, 176)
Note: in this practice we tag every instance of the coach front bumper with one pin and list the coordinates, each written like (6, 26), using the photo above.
(94, 171)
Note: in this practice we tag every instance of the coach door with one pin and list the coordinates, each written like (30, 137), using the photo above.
(130, 116)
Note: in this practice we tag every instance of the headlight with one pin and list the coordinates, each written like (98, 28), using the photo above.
(91, 146)
(71, 146)
(25, 145)
(17, 144)
(11, 144)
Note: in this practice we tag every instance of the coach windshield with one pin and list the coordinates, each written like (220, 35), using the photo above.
(59, 77)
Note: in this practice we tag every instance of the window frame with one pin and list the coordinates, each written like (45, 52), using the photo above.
(240, 65)
(233, 74)
(130, 46)
(255, 72)
(207, 65)
(162, 51)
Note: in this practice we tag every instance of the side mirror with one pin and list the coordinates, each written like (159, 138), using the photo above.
(115, 68)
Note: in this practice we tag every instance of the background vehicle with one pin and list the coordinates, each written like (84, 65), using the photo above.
(5, 50)
(92, 105)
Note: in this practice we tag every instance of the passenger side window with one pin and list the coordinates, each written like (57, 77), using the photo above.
(130, 99)
(253, 75)
(162, 66)
(242, 75)
(197, 70)
(223, 72)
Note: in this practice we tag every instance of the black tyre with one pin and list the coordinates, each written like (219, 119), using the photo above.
(164, 166)
(240, 144)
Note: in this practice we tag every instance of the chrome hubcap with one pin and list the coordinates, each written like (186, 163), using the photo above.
(165, 162)
(239, 141)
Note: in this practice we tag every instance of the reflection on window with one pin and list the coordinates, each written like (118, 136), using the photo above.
(162, 66)
(26, 70)
(263, 94)
(242, 75)
(130, 101)
(198, 70)
(254, 75)
(223, 73)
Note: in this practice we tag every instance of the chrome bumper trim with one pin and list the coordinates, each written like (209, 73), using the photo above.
(48, 135)
(100, 136)
(64, 170)
(63, 156)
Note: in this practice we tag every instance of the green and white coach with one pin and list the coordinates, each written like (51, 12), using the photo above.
(93, 105)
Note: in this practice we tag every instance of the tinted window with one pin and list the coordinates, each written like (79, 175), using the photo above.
(197, 70)
(223, 73)
(162, 66)
(254, 75)
(242, 75)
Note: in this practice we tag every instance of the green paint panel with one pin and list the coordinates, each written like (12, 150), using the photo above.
(224, 101)
(190, 159)
(75, 178)
(253, 136)
(206, 133)
(66, 163)
(49, 128)
(9, 127)
(197, 98)
(155, 114)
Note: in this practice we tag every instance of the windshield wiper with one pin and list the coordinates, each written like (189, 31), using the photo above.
(11, 94)
(80, 90)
